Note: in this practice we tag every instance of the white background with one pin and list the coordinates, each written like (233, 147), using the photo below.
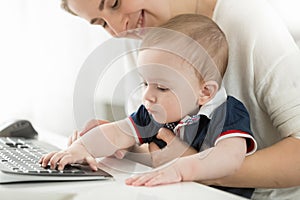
(41, 51)
(42, 48)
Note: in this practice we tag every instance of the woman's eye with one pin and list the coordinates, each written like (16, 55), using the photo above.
(104, 24)
(116, 4)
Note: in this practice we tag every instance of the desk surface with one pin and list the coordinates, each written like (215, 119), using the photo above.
(109, 189)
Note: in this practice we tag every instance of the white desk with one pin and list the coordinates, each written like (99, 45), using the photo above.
(108, 189)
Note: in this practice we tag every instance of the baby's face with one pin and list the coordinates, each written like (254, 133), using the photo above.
(170, 86)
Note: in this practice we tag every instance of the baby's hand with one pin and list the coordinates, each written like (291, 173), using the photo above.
(76, 153)
(166, 175)
(175, 148)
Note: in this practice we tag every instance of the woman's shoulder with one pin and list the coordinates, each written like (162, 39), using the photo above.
(244, 15)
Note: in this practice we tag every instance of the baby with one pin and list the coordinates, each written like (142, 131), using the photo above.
(181, 64)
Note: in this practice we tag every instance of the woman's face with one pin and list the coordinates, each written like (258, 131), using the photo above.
(119, 16)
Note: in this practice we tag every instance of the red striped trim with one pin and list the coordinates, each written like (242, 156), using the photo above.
(136, 131)
(252, 143)
(233, 131)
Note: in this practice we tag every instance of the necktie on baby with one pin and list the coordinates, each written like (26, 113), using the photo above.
(188, 120)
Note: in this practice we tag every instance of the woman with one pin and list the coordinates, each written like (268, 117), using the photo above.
(263, 73)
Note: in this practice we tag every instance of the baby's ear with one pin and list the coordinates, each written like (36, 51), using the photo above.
(207, 91)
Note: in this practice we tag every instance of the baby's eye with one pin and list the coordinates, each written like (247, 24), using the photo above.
(115, 4)
(145, 84)
(162, 88)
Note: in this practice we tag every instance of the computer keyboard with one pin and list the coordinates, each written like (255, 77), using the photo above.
(19, 163)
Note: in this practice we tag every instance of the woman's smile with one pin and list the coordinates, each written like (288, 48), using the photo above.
(141, 20)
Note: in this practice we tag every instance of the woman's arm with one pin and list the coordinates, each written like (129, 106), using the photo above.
(277, 164)
(262, 86)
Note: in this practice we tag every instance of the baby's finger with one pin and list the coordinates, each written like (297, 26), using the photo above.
(143, 179)
(66, 159)
(55, 159)
(165, 135)
(92, 163)
(42, 158)
(131, 180)
(158, 179)
(153, 147)
(46, 159)
(120, 154)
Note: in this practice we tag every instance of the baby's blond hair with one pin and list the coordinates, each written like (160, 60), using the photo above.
(195, 38)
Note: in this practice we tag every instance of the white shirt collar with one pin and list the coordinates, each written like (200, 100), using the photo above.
(208, 108)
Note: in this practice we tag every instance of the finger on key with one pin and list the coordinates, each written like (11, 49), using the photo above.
(56, 159)
(46, 158)
(67, 159)
(92, 163)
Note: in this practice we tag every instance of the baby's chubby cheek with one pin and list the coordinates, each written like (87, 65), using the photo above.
(187, 102)
(158, 112)
(171, 113)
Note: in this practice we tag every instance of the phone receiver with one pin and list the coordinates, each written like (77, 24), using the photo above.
(18, 128)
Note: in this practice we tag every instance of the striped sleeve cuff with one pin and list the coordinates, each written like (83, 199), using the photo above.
(135, 132)
(251, 142)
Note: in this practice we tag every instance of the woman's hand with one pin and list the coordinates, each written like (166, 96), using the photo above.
(175, 148)
(90, 125)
